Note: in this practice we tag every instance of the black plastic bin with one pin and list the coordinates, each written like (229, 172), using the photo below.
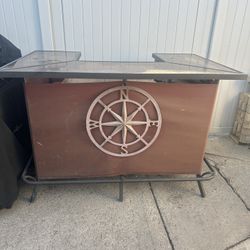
(14, 132)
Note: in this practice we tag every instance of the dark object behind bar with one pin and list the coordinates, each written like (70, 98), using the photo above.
(14, 132)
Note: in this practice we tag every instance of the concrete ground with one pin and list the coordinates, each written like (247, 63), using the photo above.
(152, 216)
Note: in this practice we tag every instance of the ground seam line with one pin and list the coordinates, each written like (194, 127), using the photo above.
(237, 243)
(162, 220)
(233, 189)
(230, 185)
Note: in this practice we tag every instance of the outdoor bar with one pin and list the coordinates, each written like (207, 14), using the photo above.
(122, 121)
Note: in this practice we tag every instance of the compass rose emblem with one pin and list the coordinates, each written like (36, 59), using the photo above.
(123, 121)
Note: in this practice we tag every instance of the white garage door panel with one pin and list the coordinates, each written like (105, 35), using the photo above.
(131, 30)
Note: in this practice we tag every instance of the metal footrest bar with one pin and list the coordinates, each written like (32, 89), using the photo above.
(29, 179)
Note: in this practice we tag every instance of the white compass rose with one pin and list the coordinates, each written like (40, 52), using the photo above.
(123, 121)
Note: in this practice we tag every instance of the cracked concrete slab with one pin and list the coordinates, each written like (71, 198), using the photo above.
(84, 217)
(225, 146)
(237, 173)
(215, 222)
(234, 165)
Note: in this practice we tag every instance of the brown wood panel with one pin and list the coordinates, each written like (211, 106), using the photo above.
(62, 148)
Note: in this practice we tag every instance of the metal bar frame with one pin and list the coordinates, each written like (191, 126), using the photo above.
(32, 180)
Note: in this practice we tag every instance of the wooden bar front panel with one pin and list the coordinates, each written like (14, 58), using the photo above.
(63, 149)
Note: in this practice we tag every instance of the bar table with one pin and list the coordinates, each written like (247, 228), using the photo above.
(145, 122)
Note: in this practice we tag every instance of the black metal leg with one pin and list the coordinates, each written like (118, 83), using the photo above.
(121, 190)
(201, 188)
(34, 193)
